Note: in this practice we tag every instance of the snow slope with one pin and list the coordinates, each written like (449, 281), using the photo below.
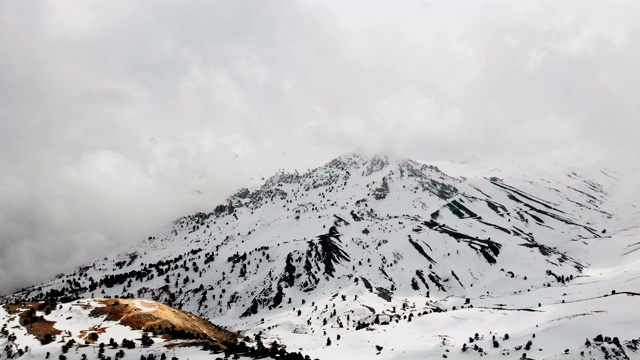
(392, 252)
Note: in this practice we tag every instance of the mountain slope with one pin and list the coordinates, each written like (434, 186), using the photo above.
(364, 240)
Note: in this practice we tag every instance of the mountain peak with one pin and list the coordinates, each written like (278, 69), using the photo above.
(359, 159)
(372, 239)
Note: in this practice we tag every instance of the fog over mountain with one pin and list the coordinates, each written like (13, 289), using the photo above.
(116, 118)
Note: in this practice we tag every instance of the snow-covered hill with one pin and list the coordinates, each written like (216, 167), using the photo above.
(370, 252)
(119, 329)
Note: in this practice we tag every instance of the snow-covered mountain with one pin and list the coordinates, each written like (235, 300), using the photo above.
(378, 255)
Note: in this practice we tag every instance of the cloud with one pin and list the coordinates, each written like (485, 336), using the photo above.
(118, 117)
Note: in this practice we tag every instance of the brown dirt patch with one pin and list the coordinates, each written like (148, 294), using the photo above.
(127, 313)
(43, 328)
(14, 308)
(37, 326)
(86, 334)
(198, 343)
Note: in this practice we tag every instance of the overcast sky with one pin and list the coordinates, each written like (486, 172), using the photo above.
(116, 117)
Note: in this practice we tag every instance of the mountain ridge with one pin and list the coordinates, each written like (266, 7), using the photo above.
(377, 230)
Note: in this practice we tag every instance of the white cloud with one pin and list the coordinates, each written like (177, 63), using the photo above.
(116, 117)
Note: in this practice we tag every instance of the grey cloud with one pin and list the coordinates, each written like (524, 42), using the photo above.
(118, 117)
